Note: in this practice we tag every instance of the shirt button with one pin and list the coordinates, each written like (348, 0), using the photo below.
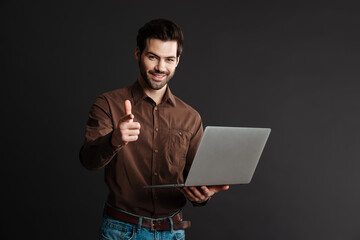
(156, 150)
(180, 133)
(155, 173)
(156, 129)
(156, 108)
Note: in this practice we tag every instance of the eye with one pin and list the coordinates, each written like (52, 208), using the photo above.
(171, 60)
(151, 57)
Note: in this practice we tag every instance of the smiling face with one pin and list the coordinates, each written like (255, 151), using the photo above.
(157, 62)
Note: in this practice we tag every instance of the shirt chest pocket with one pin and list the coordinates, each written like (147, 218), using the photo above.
(177, 145)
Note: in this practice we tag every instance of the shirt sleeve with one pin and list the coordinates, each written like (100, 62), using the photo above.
(97, 150)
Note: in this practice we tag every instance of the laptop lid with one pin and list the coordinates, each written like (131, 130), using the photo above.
(226, 155)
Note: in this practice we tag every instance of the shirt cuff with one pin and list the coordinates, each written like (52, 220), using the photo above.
(115, 148)
(195, 204)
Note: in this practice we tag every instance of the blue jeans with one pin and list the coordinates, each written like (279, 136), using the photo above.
(112, 229)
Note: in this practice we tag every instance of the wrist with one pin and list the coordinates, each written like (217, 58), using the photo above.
(200, 204)
(114, 141)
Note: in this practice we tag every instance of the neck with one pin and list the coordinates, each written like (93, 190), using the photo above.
(155, 95)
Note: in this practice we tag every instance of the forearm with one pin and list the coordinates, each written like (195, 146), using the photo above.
(98, 153)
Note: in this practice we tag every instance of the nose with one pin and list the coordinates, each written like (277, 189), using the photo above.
(161, 66)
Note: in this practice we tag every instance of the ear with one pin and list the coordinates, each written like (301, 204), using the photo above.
(137, 54)
(178, 59)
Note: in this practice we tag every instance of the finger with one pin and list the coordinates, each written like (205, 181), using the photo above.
(197, 193)
(130, 132)
(180, 189)
(224, 187)
(129, 138)
(206, 191)
(218, 188)
(127, 107)
(189, 195)
(127, 118)
(130, 126)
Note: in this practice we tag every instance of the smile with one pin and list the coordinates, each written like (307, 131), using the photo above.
(158, 76)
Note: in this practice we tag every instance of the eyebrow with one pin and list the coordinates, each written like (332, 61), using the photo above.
(159, 56)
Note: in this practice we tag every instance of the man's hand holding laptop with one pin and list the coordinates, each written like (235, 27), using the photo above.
(201, 194)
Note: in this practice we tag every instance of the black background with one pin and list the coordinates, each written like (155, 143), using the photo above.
(292, 66)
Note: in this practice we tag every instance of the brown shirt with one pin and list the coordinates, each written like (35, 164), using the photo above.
(169, 137)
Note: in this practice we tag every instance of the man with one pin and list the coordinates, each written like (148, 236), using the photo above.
(144, 135)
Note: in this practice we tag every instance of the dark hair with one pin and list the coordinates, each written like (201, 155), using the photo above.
(162, 29)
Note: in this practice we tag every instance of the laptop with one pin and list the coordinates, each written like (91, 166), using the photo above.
(226, 155)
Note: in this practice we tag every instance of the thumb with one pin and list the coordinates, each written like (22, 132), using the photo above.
(127, 107)
(128, 110)
(219, 188)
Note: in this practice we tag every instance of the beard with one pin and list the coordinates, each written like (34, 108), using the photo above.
(155, 85)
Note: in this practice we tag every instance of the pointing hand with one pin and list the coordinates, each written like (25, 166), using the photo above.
(127, 130)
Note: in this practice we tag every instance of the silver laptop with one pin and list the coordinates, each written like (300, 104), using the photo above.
(226, 155)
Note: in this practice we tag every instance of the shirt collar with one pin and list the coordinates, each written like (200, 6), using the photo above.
(138, 94)
(169, 97)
